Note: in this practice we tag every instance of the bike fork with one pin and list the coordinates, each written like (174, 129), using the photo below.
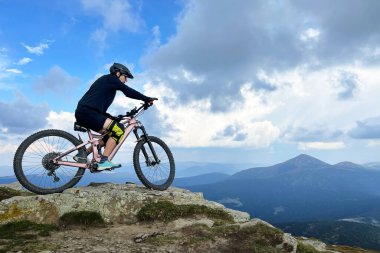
(145, 137)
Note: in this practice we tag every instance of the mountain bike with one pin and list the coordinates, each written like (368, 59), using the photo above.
(44, 162)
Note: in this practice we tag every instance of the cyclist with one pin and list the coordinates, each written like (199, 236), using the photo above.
(91, 111)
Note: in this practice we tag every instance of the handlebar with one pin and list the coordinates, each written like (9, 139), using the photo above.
(136, 110)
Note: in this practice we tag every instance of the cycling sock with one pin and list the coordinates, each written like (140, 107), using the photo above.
(103, 159)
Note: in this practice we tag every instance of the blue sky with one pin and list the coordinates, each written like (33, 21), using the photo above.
(238, 81)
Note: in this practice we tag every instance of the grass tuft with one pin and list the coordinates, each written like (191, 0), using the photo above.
(259, 238)
(6, 193)
(22, 235)
(304, 248)
(25, 229)
(81, 218)
(167, 211)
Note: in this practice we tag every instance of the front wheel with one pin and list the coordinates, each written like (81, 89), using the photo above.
(154, 174)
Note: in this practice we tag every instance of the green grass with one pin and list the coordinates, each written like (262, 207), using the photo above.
(259, 238)
(348, 249)
(167, 211)
(162, 240)
(25, 230)
(81, 218)
(304, 248)
(22, 235)
(6, 193)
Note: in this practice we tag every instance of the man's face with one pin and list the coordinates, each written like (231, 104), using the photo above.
(123, 78)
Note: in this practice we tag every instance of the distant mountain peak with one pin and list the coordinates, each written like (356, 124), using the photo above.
(306, 161)
(305, 157)
(348, 165)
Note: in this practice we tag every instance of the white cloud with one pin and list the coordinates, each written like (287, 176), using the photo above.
(4, 64)
(321, 145)
(156, 39)
(20, 116)
(61, 120)
(367, 129)
(156, 35)
(14, 71)
(117, 16)
(194, 125)
(100, 36)
(37, 50)
(373, 143)
(310, 35)
(304, 100)
(24, 61)
(7, 148)
(57, 80)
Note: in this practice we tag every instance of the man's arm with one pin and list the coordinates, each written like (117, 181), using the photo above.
(131, 93)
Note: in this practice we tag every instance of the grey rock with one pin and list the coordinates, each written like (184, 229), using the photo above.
(318, 245)
(181, 223)
(288, 244)
(15, 186)
(117, 203)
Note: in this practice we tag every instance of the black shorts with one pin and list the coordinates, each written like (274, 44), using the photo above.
(90, 118)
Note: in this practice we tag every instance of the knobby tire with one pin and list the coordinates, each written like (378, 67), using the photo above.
(35, 138)
(165, 168)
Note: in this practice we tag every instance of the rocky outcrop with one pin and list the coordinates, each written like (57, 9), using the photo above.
(115, 202)
(134, 224)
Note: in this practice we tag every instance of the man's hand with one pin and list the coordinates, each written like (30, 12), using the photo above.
(149, 102)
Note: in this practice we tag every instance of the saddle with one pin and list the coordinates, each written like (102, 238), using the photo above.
(79, 128)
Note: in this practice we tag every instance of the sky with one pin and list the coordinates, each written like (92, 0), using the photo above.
(255, 82)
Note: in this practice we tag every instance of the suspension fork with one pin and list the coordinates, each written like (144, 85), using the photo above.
(146, 139)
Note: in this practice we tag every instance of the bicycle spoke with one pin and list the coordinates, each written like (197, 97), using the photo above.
(155, 173)
(36, 165)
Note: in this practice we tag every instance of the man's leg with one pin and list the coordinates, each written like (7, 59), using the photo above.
(89, 150)
(111, 143)
(109, 125)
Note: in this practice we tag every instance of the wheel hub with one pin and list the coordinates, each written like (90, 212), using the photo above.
(151, 162)
(47, 161)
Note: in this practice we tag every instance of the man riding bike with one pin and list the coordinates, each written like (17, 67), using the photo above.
(91, 111)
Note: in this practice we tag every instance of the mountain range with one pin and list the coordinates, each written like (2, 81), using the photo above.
(296, 190)
(337, 203)
(301, 189)
(292, 194)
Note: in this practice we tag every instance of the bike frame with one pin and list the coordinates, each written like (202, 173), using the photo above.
(130, 124)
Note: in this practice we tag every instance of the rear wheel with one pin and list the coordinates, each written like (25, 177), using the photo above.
(157, 175)
(33, 165)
